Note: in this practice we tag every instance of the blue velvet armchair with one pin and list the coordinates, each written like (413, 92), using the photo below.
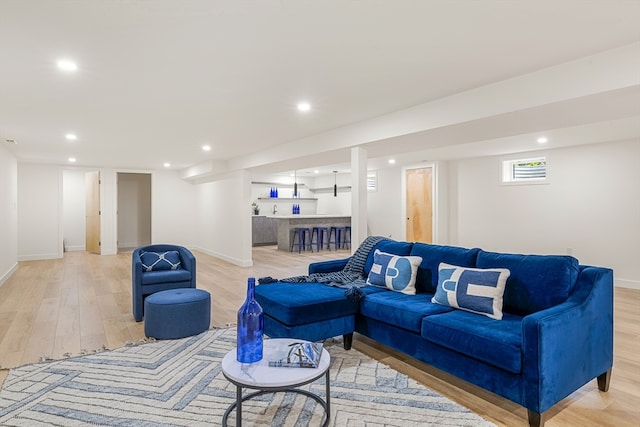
(157, 268)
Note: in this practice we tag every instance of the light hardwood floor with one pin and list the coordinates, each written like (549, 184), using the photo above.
(82, 303)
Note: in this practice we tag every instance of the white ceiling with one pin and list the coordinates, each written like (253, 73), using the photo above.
(158, 79)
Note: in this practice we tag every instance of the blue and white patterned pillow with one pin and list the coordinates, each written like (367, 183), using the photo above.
(473, 289)
(394, 272)
(156, 261)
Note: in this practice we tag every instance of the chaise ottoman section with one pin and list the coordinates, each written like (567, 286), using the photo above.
(310, 311)
(300, 303)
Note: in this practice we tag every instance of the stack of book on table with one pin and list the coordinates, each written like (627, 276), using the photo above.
(296, 354)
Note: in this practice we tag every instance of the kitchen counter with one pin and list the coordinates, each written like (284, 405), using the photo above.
(264, 230)
(287, 222)
(317, 216)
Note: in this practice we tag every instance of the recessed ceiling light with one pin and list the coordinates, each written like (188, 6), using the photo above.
(11, 141)
(206, 148)
(67, 65)
(167, 164)
(71, 136)
(72, 159)
(542, 140)
(304, 106)
(392, 161)
(316, 171)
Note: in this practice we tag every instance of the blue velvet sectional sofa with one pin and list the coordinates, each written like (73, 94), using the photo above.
(555, 333)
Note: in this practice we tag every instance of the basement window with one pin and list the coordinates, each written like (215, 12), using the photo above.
(372, 181)
(525, 171)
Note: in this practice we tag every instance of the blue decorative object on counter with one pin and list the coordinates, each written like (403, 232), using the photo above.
(250, 327)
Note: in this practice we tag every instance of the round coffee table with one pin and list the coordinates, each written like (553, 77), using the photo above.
(266, 379)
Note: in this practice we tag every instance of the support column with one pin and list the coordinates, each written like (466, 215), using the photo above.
(358, 196)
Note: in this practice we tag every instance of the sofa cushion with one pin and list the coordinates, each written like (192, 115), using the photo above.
(158, 261)
(497, 342)
(432, 256)
(389, 246)
(537, 282)
(301, 303)
(473, 289)
(401, 310)
(165, 276)
(394, 272)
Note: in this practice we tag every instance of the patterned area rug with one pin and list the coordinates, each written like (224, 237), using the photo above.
(180, 383)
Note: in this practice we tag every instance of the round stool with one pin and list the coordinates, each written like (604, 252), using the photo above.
(177, 313)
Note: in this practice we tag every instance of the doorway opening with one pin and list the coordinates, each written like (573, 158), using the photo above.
(134, 210)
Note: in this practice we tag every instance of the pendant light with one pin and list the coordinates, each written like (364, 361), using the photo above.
(295, 185)
(335, 184)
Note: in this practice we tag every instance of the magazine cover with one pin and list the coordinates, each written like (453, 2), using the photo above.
(296, 354)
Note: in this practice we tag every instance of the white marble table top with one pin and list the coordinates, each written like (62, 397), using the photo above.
(261, 375)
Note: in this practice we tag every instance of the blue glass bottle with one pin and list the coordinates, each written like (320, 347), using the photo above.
(250, 327)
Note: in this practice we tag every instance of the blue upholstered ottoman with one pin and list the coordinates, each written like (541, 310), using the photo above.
(177, 313)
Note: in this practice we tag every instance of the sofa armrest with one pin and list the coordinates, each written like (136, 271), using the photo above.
(568, 345)
(328, 266)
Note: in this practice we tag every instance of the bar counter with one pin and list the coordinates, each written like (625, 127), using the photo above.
(287, 222)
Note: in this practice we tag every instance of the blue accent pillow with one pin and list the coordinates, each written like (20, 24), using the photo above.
(157, 261)
(394, 272)
(476, 290)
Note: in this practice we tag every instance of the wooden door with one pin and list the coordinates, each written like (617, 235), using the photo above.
(92, 212)
(419, 205)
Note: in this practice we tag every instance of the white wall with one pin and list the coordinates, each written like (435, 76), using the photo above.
(73, 209)
(223, 218)
(384, 206)
(8, 214)
(327, 204)
(39, 212)
(51, 200)
(590, 208)
(173, 202)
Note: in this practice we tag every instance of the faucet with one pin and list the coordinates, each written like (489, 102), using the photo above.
(275, 209)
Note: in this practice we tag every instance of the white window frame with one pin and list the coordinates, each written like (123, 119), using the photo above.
(506, 171)
(372, 181)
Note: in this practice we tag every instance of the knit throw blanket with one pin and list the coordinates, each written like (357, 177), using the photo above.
(352, 275)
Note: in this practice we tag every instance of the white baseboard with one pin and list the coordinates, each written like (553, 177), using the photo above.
(624, 283)
(8, 274)
(76, 248)
(38, 257)
(238, 262)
